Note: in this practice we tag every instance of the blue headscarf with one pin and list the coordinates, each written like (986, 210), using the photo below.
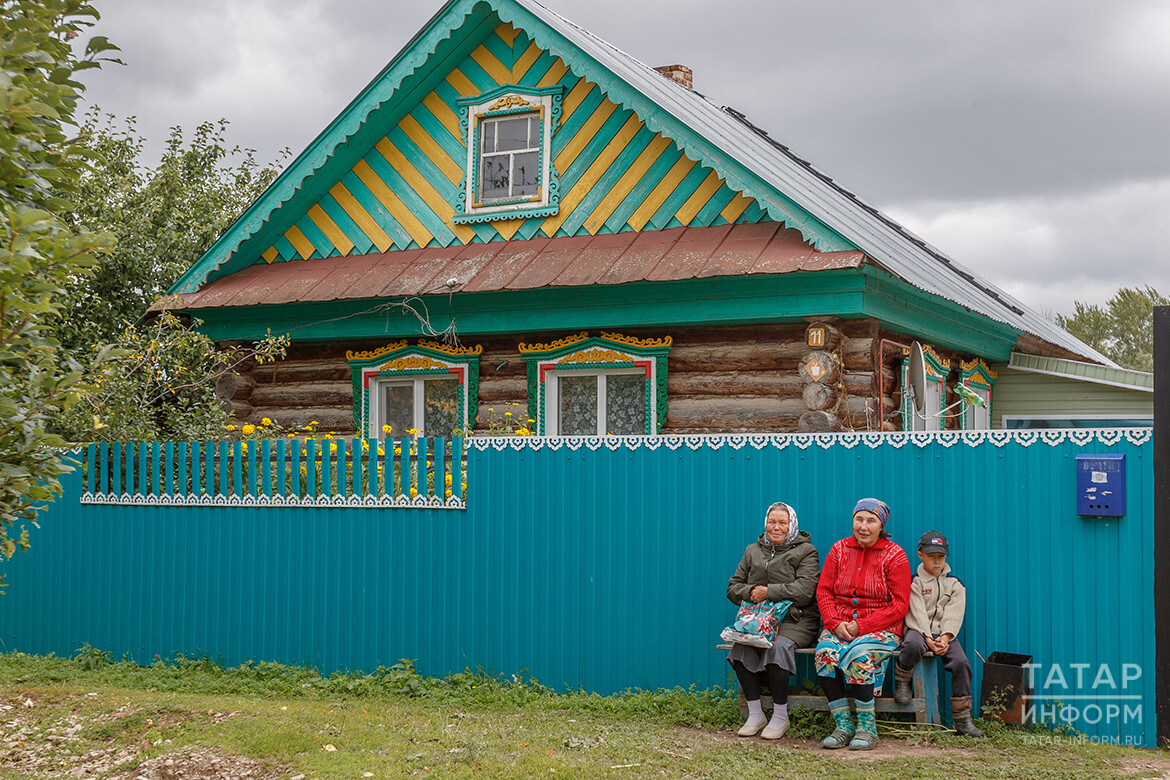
(879, 508)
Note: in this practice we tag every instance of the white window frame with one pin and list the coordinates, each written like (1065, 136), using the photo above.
(502, 103)
(552, 410)
(978, 418)
(930, 418)
(1104, 418)
(418, 384)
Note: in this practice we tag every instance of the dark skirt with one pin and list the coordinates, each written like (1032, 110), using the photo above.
(782, 653)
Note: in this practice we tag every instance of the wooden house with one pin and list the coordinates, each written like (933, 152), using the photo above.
(517, 225)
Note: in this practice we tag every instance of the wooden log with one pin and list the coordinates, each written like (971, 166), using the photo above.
(785, 384)
(497, 413)
(832, 334)
(730, 356)
(857, 354)
(241, 410)
(330, 419)
(859, 413)
(503, 388)
(818, 422)
(817, 396)
(859, 383)
(305, 394)
(232, 386)
(736, 413)
(819, 366)
(502, 362)
(293, 371)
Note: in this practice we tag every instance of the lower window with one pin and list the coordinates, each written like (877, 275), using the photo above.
(598, 403)
(607, 385)
(425, 390)
(429, 406)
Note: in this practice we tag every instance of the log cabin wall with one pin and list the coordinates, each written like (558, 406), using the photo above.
(719, 380)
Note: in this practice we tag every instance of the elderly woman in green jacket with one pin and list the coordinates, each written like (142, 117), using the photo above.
(782, 565)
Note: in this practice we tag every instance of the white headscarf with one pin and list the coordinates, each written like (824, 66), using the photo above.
(793, 526)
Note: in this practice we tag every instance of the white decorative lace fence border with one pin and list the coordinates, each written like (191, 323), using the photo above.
(276, 502)
(803, 441)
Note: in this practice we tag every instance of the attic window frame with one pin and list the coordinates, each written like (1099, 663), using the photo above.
(503, 102)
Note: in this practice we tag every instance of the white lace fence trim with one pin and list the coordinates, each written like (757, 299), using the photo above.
(759, 441)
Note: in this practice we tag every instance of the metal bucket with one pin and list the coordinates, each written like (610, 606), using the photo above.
(1005, 684)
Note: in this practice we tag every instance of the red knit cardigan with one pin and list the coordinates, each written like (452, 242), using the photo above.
(867, 584)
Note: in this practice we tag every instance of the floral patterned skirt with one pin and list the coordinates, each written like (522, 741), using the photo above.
(862, 661)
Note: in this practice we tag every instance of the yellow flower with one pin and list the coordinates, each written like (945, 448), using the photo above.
(292, 435)
(387, 429)
(412, 431)
(447, 479)
(231, 427)
(333, 448)
(448, 492)
(413, 492)
(248, 429)
(266, 421)
(523, 432)
(507, 414)
(328, 436)
(365, 445)
(531, 420)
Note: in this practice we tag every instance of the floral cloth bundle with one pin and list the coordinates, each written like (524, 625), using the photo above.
(756, 624)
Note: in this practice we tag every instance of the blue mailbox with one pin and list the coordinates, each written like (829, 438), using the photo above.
(1101, 485)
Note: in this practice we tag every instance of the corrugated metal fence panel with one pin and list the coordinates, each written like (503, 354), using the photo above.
(606, 568)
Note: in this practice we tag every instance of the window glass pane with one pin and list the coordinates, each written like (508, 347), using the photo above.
(578, 406)
(489, 136)
(625, 404)
(441, 406)
(526, 178)
(494, 177)
(397, 408)
(533, 131)
(512, 134)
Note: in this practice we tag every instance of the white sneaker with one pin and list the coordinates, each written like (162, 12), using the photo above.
(775, 732)
(753, 726)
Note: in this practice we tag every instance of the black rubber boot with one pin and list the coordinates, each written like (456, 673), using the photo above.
(961, 713)
(903, 691)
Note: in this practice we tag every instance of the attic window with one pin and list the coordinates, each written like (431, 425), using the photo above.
(509, 173)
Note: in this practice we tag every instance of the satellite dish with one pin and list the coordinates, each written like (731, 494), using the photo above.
(916, 381)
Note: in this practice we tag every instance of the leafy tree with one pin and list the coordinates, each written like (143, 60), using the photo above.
(159, 384)
(163, 217)
(40, 253)
(1122, 331)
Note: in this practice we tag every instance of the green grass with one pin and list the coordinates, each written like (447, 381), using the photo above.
(392, 724)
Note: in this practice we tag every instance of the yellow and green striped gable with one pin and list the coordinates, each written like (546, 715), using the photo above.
(389, 172)
(615, 173)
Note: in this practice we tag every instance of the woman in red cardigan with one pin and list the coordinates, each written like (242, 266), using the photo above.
(863, 595)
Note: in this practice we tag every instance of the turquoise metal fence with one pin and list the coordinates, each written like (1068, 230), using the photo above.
(328, 472)
(602, 563)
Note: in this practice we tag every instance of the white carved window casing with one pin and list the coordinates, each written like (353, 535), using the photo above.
(508, 171)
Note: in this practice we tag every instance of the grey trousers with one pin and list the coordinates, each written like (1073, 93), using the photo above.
(955, 661)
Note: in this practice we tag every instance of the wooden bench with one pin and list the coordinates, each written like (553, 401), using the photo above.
(924, 705)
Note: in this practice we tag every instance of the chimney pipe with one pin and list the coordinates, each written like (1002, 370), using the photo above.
(680, 73)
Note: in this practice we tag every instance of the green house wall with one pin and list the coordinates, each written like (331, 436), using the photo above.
(1024, 393)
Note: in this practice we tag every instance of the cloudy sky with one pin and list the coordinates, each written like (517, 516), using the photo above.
(1029, 140)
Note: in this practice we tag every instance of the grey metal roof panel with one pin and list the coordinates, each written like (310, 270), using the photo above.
(1088, 372)
(887, 242)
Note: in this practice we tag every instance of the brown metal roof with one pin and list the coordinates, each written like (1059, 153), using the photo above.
(660, 255)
